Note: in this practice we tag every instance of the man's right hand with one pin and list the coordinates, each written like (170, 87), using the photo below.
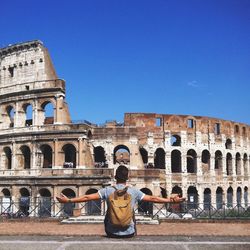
(62, 198)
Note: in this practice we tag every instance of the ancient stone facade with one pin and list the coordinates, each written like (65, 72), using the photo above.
(43, 154)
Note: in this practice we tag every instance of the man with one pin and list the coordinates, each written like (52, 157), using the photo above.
(136, 195)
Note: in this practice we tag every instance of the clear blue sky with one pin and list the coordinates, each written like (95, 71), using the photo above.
(160, 56)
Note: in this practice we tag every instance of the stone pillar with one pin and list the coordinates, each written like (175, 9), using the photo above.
(56, 150)
(80, 152)
(212, 166)
(199, 165)
(57, 206)
(13, 158)
(184, 162)
(233, 166)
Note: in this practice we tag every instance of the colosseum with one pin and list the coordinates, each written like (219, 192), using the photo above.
(44, 153)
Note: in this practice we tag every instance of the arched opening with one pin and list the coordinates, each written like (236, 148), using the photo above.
(121, 154)
(246, 196)
(44, 208)
(230, 197)
(175, 140)
(48, 111)
(145, 207)
(207, 198)
(236, 129)
(144, 155)
(68, 207)
(7, 158)
(176, 161)
(93, 207)
(229, 166)
(25, 157)
(176, 207)
(205, 159)
(69, 156)
(24, 202)
(218, 161)
(192, 202)
(191, 161)
(27, 108)
(245, 164)
(228, 144)
(5, 200)
(6, 192)
(238, 164)
(47, 156)
(100, 157)
(239, 196)
(11, 113)
(159, 159)
(219, 198)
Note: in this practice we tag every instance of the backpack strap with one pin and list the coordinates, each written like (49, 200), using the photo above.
(121, 192)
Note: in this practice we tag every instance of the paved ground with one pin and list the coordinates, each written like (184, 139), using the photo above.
(183, 228)
(191, 235)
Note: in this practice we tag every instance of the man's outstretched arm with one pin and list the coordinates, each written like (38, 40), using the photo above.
(88, 197)
(156, 199)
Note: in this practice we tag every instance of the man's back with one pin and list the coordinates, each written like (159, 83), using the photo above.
(136, 195)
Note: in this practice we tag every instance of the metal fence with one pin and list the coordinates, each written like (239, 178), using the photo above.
(46, 207)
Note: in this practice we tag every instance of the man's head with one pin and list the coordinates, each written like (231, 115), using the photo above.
(121, 174)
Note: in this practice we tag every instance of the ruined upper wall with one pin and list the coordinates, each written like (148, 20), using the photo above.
(177, 123)
(26, 66)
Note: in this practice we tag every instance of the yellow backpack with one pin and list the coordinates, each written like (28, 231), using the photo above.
(120, 211)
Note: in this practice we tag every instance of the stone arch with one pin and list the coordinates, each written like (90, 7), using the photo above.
(245, 163)
(121, 154)
(6, 192)
(93, 207)
(229, 144)
(219, 198)
(177, 190)
(207, 198)
(47, 156)
(205, 159)
(230, 197)
(175, 140)
(100, 157)
(159, 158)
(238, 164)
(25, 157)
(68, 207)
(28, 111)
(192, 197)
(191, 161)
(218, 160)
(229, 166)
(176, 161)
(246, 196)
(24, 202)
(144, 155)
(45, 203)
(69, 151)
(239, 196)
(236, 129)
(10, 115)
(7, 158)
(143, 206)
(48, 110)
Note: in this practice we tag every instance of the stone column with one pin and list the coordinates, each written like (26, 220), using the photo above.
(80, 152)
(56, 158)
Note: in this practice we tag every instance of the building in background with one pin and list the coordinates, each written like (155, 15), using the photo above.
(44, 153)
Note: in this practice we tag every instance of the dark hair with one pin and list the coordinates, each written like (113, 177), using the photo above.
(121, 173)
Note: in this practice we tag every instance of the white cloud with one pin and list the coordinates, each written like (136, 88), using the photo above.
(193, 84)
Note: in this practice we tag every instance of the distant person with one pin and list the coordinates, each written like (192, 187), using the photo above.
(119, 220)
